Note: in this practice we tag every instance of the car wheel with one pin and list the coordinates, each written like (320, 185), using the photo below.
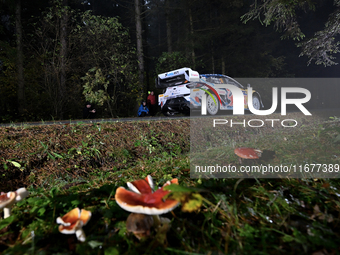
(212, 105)
(256, 102)
(169, 114)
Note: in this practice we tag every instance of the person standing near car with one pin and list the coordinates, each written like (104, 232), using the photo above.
(151, 103)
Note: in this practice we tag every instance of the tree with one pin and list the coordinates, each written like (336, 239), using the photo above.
(284, 14)
(8, 81)
(212, 39)
(110, 60)
(139, 36)
(132, 13)
(20, 59)
(171, 61)
(168, 26)
(15, 5)
(63, 56)
(49, 46)
(92, 41)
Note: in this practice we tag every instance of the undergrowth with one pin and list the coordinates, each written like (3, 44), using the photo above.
(68, 166)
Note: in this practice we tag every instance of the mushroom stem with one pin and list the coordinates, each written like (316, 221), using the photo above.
(80, 235)
(159, 222)
(139, 224)
(156, 221)
(7, 212)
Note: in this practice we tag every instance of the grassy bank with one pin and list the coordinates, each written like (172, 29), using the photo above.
(68, 166)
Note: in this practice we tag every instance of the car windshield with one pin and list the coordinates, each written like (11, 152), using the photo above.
(220, 79)
(234, 82)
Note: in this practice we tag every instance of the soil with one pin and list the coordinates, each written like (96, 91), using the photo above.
(31, 155)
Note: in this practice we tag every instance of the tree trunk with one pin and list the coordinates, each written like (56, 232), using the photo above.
(192, 39)
(212, 57)
(20, 60)
(63, 59)
(139, 37)
(223, 66)
(168, 27)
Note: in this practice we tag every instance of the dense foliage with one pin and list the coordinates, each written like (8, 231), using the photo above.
(57, 65)
(53, 52)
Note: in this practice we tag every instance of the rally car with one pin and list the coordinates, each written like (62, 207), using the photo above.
(183, 90)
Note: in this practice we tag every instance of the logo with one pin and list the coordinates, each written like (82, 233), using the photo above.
(238, 99)
(171, 74)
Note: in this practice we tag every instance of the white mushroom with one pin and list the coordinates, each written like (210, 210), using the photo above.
(21, 194)
(73, 222)
(7, 200)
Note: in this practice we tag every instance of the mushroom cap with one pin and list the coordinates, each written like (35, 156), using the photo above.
(73, 220)
(142, 200)
(21, 194)
(248, 153)
(7, 199)
(144, 186)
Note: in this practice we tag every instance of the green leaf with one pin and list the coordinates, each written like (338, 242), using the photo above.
(121, 225)
(111, 251)
(5, 222)
(288, 238)
(16, 164)
(193, 203)
(75, 202)
(57, 155)
(190, 201)
(337, 139)
(50, 156)
(94, 244)
(178, 188)
(41, 211)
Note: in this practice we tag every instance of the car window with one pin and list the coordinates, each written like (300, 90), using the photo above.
(234, 82)
(216, 80)
(221, 79)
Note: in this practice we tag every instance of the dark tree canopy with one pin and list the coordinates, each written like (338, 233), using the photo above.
(75, 50)
(286, 17)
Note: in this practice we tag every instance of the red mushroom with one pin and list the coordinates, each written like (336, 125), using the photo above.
(142, 199)
(144, 186)
(247, 153)
(73, 222)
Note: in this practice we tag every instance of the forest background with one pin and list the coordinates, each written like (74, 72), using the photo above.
(56, 55)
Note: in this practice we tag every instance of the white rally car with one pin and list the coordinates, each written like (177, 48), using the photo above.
(183, 90)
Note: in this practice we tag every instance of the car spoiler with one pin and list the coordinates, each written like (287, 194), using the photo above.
(176, 77)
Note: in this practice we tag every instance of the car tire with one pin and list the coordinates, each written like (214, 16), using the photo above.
(169, 114)
(212, 105)
(256, 102)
